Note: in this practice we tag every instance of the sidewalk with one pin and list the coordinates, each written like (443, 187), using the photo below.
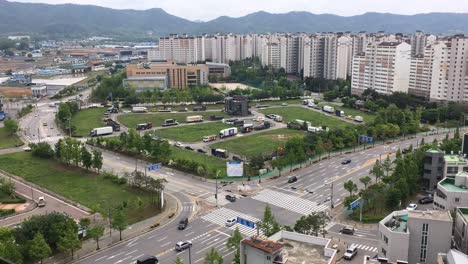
(107, 241)
(340, 217)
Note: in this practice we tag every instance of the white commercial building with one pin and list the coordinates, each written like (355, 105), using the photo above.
(415, 236)
(384, 67)
(452, 192)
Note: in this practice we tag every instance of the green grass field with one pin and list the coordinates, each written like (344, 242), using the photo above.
(276, 103)
(368, 118)
(7, 141)
(317, 119)
(252, 145)
(86, 188)
(131, 120)
(212, 163)
(87, 119)
(192, 133)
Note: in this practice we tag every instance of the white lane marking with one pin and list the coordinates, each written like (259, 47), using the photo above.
(113, 256)
(131, 252)
(165, 244)
(101, 258)
(159, 240)
(191, 233)
(123, 259)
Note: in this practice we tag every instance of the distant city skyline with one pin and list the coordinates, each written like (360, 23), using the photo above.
(205, 10)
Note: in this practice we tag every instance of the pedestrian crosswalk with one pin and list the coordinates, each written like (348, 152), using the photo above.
(367, 248)
(289, 202)
(220, 216)
(189, 207)
(52, 140)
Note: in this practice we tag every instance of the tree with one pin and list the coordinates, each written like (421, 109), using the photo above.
(201, 170)
(86, 158)
(42, 150)
(234, 242)
(97, 160)
(96, 233)
(350, 186)
(69, 242)
(377, 171)
(269, 225)
(9, 249)
(178, 261)
(387, 165)
(365, 180)
(213, 257)
(11, 126)
(38, 249)
(312, 224)
(119, 221)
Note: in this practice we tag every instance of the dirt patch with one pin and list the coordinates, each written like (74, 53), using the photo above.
(17, 207)
(15, 91)
(281, 137)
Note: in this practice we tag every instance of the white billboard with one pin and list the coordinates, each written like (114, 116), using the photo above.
(235, 168)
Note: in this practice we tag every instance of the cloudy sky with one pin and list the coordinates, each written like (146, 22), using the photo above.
(209, 9)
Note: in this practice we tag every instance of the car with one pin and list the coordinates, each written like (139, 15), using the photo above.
(346, 161)
(178, 144)
(412, 207)
(231, 198)
(270, 116)
(350, 252)
(147, 259)
(44, 124)
(183, 223)
(292, 179)
(284, 104)
(189, 148)
(126, 111)
(231, 221)
(180, 246)
(36, 115)
(201, 150)
(41, 201)
(348, 230)
(426, 200)
(27, 149)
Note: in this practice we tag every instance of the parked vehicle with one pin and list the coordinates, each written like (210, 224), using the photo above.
(314, 129)
(294, 125)
(170, 122)
(350, 252)
(358, 119)
(411, 207)
(328, 109)
(215, 118)
(221, 153)
(144, 126)
(264, 125)
(247, 128)
(239, 123)
(209, 138)
(426, 200)
(139, 109)
(189, 148)
(228, 132)
(270, 116)
(178, 144)
(339, 113)
(147, 259)
(114, 124)
(308, 102)
(199, 108)
(349, 230)
(231, 198)
(231, 221)
(101, 131)
(201, 151)
(194, 119)
(230, 121)
(278, 118)
(183, 245)
(183, 223)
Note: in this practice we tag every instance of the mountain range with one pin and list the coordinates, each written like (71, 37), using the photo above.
(69, 20)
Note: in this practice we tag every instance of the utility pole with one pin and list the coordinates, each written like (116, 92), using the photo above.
(190, 255)
(331, 199)
(216, 193)
(38, 135)
(360, 209)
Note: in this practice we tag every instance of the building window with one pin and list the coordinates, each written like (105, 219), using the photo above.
(384, 252)
(385, 238)
(268, 258)
(452, 170)
(424, 235)
(457, 199)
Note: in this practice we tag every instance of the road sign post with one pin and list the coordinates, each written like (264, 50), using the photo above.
(246, 222)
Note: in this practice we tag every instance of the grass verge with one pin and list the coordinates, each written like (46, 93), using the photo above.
(212, 163)
(87, 119)
(192, 133)
(131, 120)
(7, 141)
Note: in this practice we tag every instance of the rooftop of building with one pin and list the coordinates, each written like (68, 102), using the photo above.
(430, 215)
(396, 221)
(267, 246)
(449, 185)
(454, 159)
(434, 150)
(463, 212)
(452, 257)
(299, 252)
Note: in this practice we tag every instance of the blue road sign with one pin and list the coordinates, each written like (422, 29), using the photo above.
(245, 222)
(366, 139)
(355, 204)
(154, 167)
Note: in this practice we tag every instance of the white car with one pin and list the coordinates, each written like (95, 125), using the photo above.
(178, 144)
(182, 245)
(411, 207)
(231, 221)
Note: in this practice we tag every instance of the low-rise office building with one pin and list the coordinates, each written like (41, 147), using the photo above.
(218, 69)
(452, 192)
(454, 164)
(415, 236)
(237, 105)
(452, 257)
(433, 168)
(460, 234)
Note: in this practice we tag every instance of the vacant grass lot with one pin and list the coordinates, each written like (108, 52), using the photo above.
(87, 119)
(86, 188)
(131, 120)
(276, 103)
(212, 163)
(368, 118)
(192, 133)
(265, 142)
(7, 141)
(317, 119)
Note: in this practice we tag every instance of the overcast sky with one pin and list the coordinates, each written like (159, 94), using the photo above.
(209, 9)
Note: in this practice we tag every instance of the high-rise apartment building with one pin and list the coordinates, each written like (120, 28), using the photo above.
(313, 56)
(181, 49)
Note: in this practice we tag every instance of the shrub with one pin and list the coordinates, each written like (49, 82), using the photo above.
(42, 150)
(5, 212)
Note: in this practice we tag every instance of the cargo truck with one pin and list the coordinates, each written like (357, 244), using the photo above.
(113, 124)
(328, 109)
(101, 131)
(308, 102)
(144, 126)
(239, 123)
(358, 119)
(194, 119)
(314, 129)
(278, 118)
(247, 128)
(170, 122)
(339, 113)
(215, 118)
(262, 126)
(199, 108)
(228, 132)
(139, 109)
(209, 138)
(219, 153)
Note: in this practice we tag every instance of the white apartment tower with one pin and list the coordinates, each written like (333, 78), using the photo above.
(182, 49)
(344, 57)
(384, 67)
(419, 41)
(457, 90)
(313, 56)
(329, 56)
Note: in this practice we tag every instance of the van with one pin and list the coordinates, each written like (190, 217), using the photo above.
(350, 252)
(183, 223)
(41, 202)
(147, 259)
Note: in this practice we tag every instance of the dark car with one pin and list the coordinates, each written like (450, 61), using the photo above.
(426, 200)
(231, 198)
(147, 259)
(292, 179)
(188, 147)
(201, 150)
(346, 161)
(349, 230)
(183, 223)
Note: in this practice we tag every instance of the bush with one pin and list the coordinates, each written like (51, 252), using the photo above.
(5, 212)
(367, 218)
(348, 200)
(13, 200)
(114, 178)
(42, 150)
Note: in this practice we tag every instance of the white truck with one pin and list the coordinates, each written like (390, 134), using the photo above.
(139, 109)
(209, 138)
(328, 109)
(301, 122)
(314, 129)
(278, 118)
(228, 132)
(308, 102)
(101, 131)
(194, 119)
(358, 119)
